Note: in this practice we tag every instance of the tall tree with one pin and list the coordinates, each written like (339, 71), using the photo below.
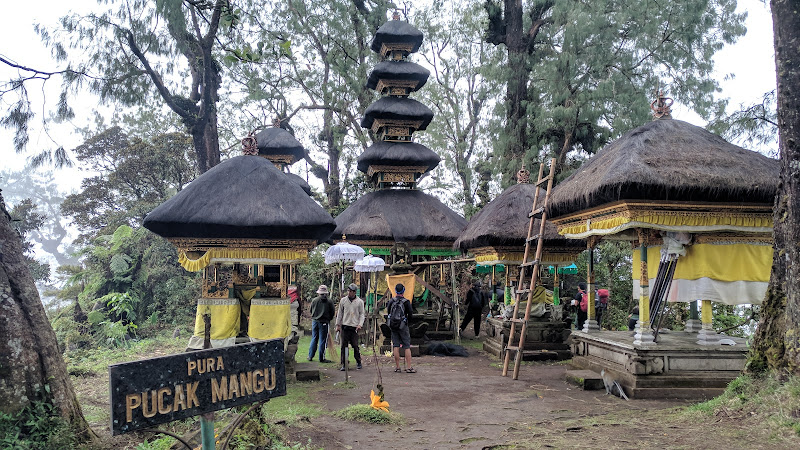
(132, 176)
(141, 51)
(461, 95)
(580, 73)
(777, 342)
(30, 362)
(318, 80)
(41, 188)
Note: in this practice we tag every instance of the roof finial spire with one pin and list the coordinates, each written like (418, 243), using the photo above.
(396, 15)
(661, 106)
(250, 145)
(523, 176)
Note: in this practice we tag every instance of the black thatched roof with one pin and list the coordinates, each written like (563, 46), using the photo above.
(399, 215)
(398, 70)
(243, 197)
(668, 160)
(301, 182)
(504, 222)
(397, 108)
(277, 141)
(398, 154)
(396, 32)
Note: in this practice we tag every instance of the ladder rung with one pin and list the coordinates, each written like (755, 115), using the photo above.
(543, 181)
(535, 237)
(518, 320)
(523, 291)
(530, 263)
(536, 212)
(512, 348)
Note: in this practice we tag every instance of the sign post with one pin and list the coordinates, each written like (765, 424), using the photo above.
(160, 390)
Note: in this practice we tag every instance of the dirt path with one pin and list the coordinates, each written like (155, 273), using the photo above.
(465, 403)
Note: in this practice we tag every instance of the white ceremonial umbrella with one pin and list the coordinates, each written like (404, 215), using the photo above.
(369, 264)
(343, 252)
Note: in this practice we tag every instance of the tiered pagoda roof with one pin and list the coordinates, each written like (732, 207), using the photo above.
(396, 212)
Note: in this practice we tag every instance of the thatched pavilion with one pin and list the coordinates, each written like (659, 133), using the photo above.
(708, 204)
(496, 235)
(246, 224)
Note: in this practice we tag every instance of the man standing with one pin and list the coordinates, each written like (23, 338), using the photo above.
(580, 304)
(399, 309)
(474, 303)
(322, 312)
(349, 321)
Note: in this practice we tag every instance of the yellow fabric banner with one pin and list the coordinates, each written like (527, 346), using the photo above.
(240, 254)
(269, 318)
(736, 222)
(225, 317)
(722, 262)
(407, 280)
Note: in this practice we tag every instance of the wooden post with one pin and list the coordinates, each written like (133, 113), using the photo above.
(556, 287)
(456, 313)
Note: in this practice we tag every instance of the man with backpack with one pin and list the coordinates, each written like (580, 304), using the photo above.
(474, 304)
(399, 314)
(581, 304)
(600, 304)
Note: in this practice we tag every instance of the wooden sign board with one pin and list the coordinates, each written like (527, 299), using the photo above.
(159, 390)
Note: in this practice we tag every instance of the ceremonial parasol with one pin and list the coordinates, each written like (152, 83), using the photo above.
(343, 252)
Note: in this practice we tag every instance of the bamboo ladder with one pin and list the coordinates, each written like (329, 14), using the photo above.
(537, 212)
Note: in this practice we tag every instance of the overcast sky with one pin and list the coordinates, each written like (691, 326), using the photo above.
(750, 60)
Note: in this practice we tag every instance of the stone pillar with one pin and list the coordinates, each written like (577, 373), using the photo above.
(644, 335)
(706, 335)
(590, 324)
(693, 323)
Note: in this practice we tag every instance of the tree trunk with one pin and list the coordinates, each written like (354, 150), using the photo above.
(777, 341)
(516, 91)
(29, 354)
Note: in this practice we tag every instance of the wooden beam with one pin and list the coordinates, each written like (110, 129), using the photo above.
(434, 291)
(446, 261)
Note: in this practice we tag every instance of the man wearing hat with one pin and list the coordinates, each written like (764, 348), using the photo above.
(322, 312)
(349, 321)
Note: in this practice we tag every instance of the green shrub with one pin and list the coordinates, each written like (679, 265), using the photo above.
(36, 427)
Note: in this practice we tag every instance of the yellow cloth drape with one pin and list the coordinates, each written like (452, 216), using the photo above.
(225, 317)
(241, 254)
(709, 220)
(407, 280)
(269, 318)
(722, 262)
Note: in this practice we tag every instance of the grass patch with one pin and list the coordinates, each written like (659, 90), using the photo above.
(368, 414)
(88, 362)
(305, 342)
(757, 399)
(294, 406)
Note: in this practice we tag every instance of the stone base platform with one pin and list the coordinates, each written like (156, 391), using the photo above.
(675, 367)
(585, 379)
(545, 340)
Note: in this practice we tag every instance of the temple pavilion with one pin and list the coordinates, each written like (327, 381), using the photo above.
(691, 202)
(245, 224)
(396, 213)
(496, 236)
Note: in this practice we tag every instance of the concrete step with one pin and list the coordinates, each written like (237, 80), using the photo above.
(587, 380)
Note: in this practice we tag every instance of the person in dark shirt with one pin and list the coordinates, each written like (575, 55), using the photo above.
(322, 312)
(475, 302)
(576, 302)
(401, 336)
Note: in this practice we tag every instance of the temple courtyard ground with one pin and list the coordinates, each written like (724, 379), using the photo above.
(456, 402)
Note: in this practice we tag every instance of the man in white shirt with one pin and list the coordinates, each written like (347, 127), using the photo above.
(349, 320)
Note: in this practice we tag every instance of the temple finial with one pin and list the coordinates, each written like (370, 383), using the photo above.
(250, 145)
(661, 106)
